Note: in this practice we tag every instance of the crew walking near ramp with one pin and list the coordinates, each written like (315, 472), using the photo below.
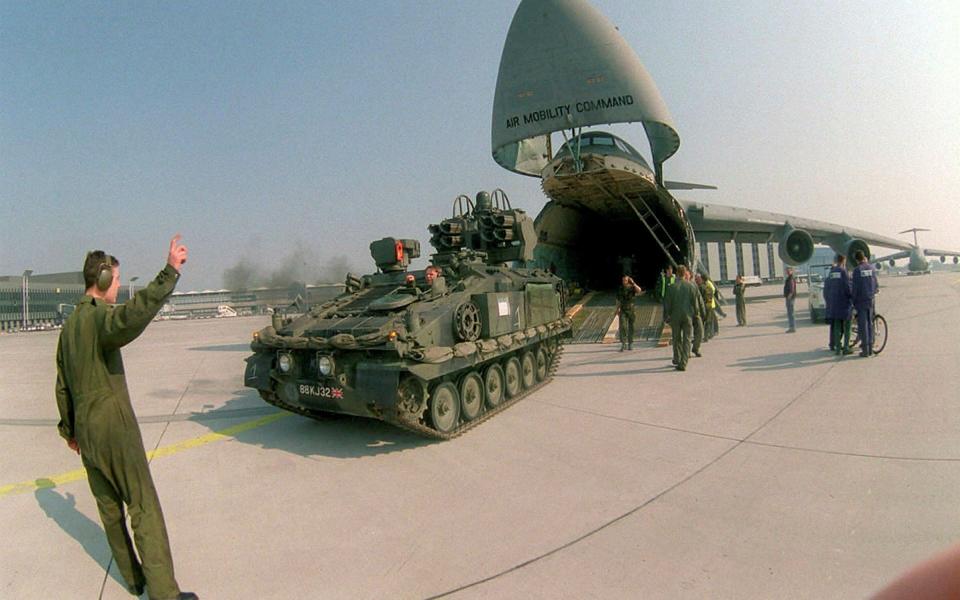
(97, 419)
(665, 281)
(681, 305)
(711, 300)
(697, 319)
(864, 289)
(625, 295)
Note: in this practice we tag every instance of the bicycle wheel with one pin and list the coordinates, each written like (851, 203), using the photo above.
(879, 334)
(854, 333)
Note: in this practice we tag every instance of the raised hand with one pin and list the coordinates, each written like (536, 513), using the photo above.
(178, 253)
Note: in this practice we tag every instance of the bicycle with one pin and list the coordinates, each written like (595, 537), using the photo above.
(879, 333)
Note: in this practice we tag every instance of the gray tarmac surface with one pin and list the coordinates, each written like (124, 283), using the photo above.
(770, 469)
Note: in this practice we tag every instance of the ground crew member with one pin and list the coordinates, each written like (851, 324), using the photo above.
(98, 422)
(625, 295)
(739, 293)
(789, 296)
(681, 306)
(711, 300)
(708, 315)
(837, 295)
(667, 279)
(697, 320)
(864, 289)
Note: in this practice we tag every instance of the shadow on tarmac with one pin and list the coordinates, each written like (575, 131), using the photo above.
(788, 360)
(332, 435)
(666, 366)
(62, 510)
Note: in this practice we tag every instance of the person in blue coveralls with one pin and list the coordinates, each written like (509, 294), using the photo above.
(837, 294)
(864, 289)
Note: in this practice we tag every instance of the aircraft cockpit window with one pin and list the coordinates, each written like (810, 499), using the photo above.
(599, 140)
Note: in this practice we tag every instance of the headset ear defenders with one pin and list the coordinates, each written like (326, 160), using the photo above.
(104, 276)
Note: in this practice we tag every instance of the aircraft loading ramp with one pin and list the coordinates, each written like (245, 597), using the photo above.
(595, 320)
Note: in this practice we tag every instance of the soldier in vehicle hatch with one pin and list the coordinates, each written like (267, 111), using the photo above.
(430, 275)
(625, 295)
(98, 422)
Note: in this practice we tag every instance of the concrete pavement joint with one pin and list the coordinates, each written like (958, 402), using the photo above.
(648, 502)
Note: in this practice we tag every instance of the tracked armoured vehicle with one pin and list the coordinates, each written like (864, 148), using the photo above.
(435, 351)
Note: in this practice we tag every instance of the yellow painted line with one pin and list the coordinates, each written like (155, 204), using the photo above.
(76, 475)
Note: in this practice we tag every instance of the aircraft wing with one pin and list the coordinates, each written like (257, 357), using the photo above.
(932, 252)
(894, 256)
(717, 223)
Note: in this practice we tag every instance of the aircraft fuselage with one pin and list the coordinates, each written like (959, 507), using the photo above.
(608, 215)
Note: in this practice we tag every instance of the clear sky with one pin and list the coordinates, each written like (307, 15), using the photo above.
(297, 132)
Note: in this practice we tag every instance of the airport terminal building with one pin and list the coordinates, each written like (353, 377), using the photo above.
(725, 260)
(43, 301)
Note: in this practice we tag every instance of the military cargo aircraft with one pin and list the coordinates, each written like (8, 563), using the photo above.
(917, 263)
(564, 68)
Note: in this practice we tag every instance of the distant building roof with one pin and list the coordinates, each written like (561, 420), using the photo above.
(68, 278)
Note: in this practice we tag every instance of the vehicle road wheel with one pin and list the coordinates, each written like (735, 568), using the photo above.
(511, 377)
(528, 369)
(541, 363)
(411, 396)
(879, 334)
(493, 385)
(471, 396)
(445, 407)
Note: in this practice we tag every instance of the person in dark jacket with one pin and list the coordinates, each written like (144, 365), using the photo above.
(789, 296)
(664, 281)
(837, 295)
(864, 288)
(97, 419)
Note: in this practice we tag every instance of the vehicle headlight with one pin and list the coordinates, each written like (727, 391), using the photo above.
(285, 362)
(325, 365)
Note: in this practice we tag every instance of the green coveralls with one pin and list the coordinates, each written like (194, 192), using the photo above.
(95, 410)
(680, 308)
(698, 322)
(739, 291)
(710, 326)
(628, 317)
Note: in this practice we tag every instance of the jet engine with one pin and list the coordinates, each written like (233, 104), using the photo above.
(796, 246)
(847, 245)
(893, 263)
(956, 259)
(943, 259)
